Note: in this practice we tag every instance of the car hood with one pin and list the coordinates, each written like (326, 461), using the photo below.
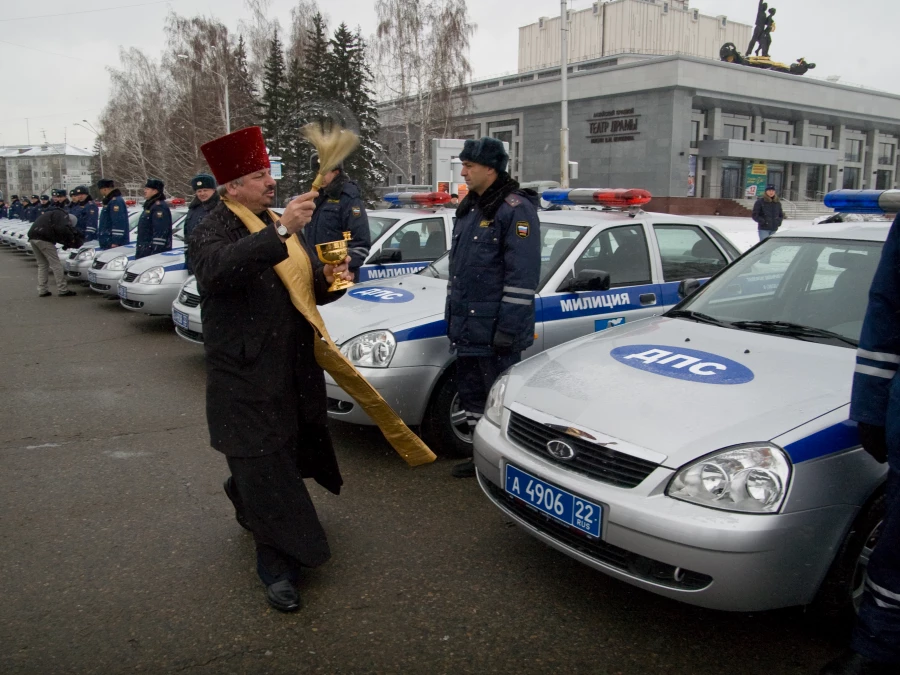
(413, 301)
(108, 254)
(171, 261)
(745, 387)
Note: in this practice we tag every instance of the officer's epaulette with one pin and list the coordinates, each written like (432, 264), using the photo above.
(513, 200)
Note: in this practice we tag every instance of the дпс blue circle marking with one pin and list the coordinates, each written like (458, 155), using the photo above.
(683, 364)
(375, 294)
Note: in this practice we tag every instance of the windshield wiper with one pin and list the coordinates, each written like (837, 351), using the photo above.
(432, 270)
(696, 316)
(796, 330)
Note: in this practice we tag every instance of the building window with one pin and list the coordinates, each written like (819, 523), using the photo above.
(779, 137)
(695, 134)
(885, 153)
(412, 147)
(399, 148)
(735, 132)
(399, 180)
(854, 151)
(882, 180)
(414, 179)
(851, 178)
(818, 141)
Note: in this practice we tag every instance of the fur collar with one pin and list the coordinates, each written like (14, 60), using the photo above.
(492, 199)
(112, 194)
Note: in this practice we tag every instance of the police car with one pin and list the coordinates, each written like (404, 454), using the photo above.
(706, 454)
(598, 269)
(77, 263)
(405, 239)
(108, 266)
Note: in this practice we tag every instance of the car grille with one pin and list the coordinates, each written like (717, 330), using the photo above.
(636, 565)
(595, 461)
(189, 299)
(100, 287)
(192, 335)
(73, 274)
(129, 277)
(97, 265)
(134, 304)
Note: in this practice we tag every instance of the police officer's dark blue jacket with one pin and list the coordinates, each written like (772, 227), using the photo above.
(495, 267)
(88, 215)
(31, 211)
(4, 211)
(43, 208)
(16, 210)
(197, 211)
(154, 230)
(112, 229)
(339, 209)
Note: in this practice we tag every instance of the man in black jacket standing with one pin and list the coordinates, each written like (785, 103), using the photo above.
(767, 213)
(495, 266)
(53, 227)
(265, 392)
(154, 230)
(340, 208)
(205, 200)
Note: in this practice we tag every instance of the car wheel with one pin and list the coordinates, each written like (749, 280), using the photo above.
(841, 593)
(444, 427)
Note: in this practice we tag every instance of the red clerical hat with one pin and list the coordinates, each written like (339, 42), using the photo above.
(237, 154)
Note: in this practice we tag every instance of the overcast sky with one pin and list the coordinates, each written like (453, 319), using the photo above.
(54, 68)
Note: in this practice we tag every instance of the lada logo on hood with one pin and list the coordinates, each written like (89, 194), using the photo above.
(370, 294)
(683, 364)
(560, 450)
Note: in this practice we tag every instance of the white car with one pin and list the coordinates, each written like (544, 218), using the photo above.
(77, 263)
(706, 455)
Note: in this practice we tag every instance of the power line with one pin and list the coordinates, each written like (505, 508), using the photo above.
(64, 56)
(85, 11)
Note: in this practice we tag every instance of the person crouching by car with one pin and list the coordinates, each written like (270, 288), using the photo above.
(53, 227)
(767, 213)
(154, 230)
(205, 200)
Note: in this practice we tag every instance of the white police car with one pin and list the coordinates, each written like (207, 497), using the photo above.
(108, 266)
(186, 312)
(77, 263)
(706, 455)
(598, 269)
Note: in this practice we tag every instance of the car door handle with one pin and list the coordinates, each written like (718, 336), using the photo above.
(648, 299)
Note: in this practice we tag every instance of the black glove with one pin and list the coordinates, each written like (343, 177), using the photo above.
(874, 441)
(502, 341)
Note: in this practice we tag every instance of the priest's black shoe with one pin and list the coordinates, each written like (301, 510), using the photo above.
(283, 596)
(851, 663)
(235, 500)
(464, 470)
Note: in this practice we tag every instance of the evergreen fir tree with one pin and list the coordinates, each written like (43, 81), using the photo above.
(296, 152)
(274, 99)
(364, 165)
(244, 104)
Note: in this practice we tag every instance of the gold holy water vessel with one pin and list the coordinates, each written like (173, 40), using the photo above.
(333, 253)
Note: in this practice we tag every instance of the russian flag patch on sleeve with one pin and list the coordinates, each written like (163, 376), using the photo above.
(522, 228)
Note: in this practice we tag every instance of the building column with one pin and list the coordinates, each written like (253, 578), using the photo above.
(801, 137)
(716, 130)
(870, 160)
(837, 171)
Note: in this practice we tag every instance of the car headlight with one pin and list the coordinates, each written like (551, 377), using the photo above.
(493, 408)
(152, 276)
(85, 254)
(751, 479)
(118, 264)
(371, 350)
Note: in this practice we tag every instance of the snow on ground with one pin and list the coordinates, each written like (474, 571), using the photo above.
(743, 231)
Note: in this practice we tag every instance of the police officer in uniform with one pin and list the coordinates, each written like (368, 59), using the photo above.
(85, 210)
(205, 200)
(4, 210)
(16, 208)
(495, 266)
(112, 229)
(43, 206)
(339, 209)
(875, 406)
(154, 230)
(61, 200)
(31, 210)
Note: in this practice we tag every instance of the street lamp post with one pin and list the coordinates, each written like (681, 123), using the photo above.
(185, 57)
(90, 127)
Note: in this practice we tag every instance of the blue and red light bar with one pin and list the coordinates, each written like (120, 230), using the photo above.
(864, 201)
(418, 199)
(612, 198)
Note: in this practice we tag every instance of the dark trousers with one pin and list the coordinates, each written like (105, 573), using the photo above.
(475, 375)
(275, 504)
(877, 632)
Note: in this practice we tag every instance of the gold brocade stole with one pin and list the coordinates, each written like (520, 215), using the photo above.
(296, 273)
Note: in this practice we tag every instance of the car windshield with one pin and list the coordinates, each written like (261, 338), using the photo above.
(805, 289)
(556, 243)
(378, 225)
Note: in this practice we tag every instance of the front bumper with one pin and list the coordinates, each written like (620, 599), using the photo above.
(194, 330)
(105, 282)
(148, 298)
(77, 269)
(701, 556)
(406, 390)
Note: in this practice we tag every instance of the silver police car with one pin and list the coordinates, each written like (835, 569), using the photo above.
(77, 263)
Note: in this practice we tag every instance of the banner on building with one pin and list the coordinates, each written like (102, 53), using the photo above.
(443, 186)
(755, 185)
(692, 176)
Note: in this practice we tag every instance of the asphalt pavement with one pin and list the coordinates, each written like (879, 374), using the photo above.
(120, 553)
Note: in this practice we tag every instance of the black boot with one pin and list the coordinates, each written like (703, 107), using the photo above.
(235, 500)
(852, 663)
(283, 596)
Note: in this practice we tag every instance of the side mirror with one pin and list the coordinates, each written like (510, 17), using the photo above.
(687, 287)
(586, 280)
(389, 256)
